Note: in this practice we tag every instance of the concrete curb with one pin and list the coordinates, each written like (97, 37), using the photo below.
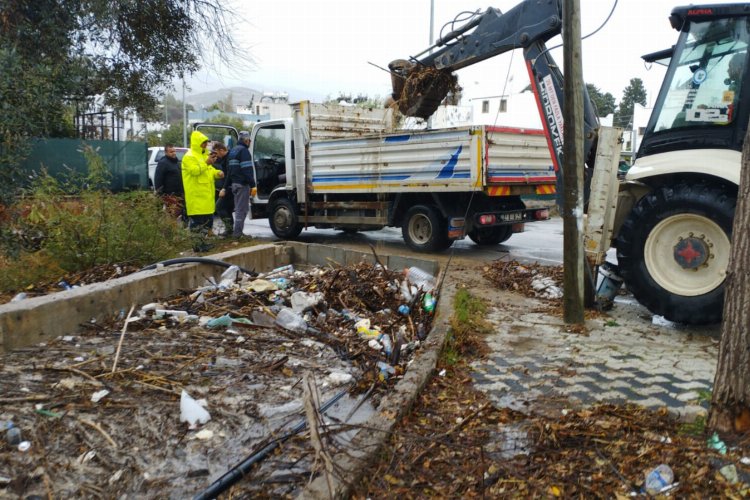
(43, 318)
(367, 444)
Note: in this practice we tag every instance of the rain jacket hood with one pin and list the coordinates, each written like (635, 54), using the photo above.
(198, 178)
(196, 139)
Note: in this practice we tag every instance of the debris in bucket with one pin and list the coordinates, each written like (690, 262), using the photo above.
(183, 349)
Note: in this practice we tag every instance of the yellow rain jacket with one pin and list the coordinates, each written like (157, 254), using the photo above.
(198, 178)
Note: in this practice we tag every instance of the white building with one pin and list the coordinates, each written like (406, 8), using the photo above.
(513, 110)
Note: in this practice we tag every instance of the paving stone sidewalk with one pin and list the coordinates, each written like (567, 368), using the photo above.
(537, 366)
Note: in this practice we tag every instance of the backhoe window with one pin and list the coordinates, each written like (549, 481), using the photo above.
(704, 89)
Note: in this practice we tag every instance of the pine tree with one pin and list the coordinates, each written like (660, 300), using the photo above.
(633, 93)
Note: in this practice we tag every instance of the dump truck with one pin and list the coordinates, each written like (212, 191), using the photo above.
(349, 168)
(671, 218)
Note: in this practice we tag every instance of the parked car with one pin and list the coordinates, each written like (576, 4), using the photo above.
(154, 155)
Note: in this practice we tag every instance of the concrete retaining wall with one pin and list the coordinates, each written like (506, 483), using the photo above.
(39, 319)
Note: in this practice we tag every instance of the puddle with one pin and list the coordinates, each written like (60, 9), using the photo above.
(509, 442)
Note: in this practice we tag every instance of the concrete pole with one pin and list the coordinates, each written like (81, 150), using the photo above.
(573, 164)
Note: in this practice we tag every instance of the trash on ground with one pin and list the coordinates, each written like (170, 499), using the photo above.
(236, 343)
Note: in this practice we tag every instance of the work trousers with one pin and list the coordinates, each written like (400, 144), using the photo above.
(241, 194)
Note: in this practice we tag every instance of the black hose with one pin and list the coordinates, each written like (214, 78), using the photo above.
(200, 260)
(236, 473)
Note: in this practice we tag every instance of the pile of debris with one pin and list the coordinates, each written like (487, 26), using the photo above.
(532, 280)
(95, 274)
(165, 398)
(422, 88)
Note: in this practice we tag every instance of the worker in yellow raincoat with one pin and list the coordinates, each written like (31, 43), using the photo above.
(198, 178)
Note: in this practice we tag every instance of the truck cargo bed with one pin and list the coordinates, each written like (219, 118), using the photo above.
(458, 159)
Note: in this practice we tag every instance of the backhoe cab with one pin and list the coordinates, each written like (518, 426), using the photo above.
(675, 208)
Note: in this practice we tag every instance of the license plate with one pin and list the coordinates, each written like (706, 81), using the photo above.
(511, 217)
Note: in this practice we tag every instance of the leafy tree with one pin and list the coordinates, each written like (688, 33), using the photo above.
(173, 112)
(604, 103)
(633, 93)
(59, 55)
(229, 120)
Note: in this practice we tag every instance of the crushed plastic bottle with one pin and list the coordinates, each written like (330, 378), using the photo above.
(180, 315)
(420, 278)
(287, 269)
(658, 479)
(406, 292)
(385, 369)
(13, 434)
(385, 339)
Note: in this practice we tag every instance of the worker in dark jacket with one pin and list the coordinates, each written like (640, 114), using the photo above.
(224, 197)
(241, 180)
(168, 182)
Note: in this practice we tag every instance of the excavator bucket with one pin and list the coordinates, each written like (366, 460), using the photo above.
(419, 90)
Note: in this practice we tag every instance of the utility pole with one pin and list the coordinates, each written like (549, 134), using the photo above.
(184, 117)
(573, 164)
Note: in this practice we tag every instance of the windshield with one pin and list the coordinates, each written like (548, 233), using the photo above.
(703, 87)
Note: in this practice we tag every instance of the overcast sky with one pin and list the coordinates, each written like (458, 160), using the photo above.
(322, 47)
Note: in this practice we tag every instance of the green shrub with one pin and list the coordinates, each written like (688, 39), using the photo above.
(50, 229)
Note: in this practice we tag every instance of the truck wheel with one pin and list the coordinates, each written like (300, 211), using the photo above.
(673, 251)
(424, 229)
(490, 235)
(283, 219)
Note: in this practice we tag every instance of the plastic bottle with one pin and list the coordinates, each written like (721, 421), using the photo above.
(13, 434)
(385, 339)
(64, 285)
(428, 303)
(420, 278)
(18, 297)
(658, 478)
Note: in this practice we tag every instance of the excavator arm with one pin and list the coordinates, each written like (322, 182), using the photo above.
(421, 83)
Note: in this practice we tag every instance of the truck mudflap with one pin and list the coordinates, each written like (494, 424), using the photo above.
(509, 217)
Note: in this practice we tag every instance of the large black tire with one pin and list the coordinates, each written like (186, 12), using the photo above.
(283, 219)
(486, 236)
(664, 225)
(424, 229)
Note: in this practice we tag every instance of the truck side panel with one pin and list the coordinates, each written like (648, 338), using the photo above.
(436, 161)
(518, 156)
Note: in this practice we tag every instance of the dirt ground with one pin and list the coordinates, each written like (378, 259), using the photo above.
(456, 443)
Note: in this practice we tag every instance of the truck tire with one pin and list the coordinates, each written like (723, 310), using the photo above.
(283, 219)
(487, 236)
(673, 251)
(424, 229)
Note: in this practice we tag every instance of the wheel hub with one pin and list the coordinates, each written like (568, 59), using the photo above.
(691, 252)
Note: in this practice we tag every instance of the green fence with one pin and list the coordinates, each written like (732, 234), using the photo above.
(127, 160)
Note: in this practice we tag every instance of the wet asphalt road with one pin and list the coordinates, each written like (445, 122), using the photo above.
(541, 242)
